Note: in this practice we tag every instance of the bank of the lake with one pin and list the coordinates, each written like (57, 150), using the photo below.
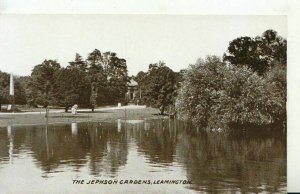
(59, 116)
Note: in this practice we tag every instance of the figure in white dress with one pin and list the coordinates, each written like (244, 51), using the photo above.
(74, 109)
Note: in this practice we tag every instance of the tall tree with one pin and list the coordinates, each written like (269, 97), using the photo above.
(159, 86)
(43, 81)
(117, 77)
(275, 46)
(78, 63)
(96, 76)
(140, 77)
(20, 95)
(30, 93)
(71, 87)
(108, 75)
(259, 53)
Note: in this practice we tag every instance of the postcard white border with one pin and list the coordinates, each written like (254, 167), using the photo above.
(290, 8)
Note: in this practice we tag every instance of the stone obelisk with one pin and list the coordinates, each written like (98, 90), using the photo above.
(12, 92)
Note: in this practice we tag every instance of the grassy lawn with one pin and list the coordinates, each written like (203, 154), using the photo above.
(104, 115)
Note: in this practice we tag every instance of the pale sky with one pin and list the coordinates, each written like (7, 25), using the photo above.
(178, 40)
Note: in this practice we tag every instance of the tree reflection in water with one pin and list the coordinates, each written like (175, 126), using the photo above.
(236, 160)
(240, 160)
(251, 161)
(158, 142)
(100, 146)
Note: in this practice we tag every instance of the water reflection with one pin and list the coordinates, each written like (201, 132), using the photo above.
(252, 161)
(157, 142)
(238, 161)
(119, 125)
(11, 144)
(74, 128)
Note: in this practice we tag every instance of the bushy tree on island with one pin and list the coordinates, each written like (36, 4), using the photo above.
(248, 88)
(214, 95)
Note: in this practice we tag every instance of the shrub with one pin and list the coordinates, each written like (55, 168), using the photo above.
(213, 94)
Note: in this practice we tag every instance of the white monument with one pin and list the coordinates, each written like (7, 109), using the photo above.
(74, 109)
(11, 92)
(11, 85)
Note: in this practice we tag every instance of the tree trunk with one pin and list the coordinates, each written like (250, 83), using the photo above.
(162, 110)
(66, 109)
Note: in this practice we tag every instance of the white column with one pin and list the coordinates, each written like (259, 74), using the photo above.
(11, 85)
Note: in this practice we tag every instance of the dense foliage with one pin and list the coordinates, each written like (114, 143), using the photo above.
(43, 82)
(158, 86)
(108, 77)
(249, 87)
(100, 79)
(258, 53)
(214, 94)
(72, 87)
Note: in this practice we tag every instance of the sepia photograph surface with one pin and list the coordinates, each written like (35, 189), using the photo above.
(138, 103)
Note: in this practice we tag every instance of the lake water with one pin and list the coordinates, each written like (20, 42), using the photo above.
(48, 158)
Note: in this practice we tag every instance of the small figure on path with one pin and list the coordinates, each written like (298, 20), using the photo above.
(74, 109)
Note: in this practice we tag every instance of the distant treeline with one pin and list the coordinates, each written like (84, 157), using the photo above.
(246, 86)
(100, 79)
